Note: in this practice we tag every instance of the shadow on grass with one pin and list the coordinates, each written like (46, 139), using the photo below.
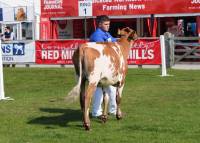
(63, 119)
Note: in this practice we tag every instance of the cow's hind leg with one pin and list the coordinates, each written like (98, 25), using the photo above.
(82, 94)
(118, 100)
(104, 116)
(88, 96)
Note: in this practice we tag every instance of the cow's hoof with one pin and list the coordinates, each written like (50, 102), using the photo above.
(119, 116)
(104, 118)
(86, 126)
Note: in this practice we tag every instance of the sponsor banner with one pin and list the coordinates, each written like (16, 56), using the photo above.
(18, 52)
(132, 7)
(56, 52)
(59, 8)
(145, 52)
(60, 52)
(63, 8)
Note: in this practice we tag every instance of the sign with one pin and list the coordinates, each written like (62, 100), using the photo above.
(18, 52)
(60, 52)
(134, 7)
(145, 52)
(56, 52)
(67, 8)
(59, 8)
(85, 7)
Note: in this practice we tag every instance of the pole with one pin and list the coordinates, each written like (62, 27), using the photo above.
(163, 56)
(2, 93)
(85, 27)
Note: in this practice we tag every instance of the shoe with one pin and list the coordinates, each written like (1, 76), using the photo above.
(97, 117)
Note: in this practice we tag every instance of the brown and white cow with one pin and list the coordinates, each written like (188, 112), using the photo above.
(101, 64)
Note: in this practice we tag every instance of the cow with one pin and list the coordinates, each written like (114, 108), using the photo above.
(101, 64)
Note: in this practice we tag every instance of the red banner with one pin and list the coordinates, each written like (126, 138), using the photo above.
(64, 8)
(133, 7)
(56, 52)
(145, 52)
(59, 8)
(60, 52)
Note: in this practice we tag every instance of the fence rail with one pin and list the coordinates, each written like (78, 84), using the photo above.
(182, 49)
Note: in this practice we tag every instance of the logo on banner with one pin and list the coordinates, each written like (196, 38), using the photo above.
(53, 4)
(15, 49)
(18, 49)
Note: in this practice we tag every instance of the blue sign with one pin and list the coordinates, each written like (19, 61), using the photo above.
(18, 49)
(14, 49)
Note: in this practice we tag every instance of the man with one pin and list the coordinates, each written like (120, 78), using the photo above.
(102, 35)
(8, 34)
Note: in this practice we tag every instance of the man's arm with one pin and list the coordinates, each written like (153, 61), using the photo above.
(112, 38)
(95, 37)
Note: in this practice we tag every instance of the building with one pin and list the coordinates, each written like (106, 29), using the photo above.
(21, 16)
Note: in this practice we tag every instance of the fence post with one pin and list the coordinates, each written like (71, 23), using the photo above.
(169, 45)
(2, 93)
(172, 49)
(163, 55)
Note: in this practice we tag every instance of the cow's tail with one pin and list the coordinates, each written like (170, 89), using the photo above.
(75, 92)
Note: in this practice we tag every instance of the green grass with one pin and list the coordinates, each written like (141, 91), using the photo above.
(156, 109)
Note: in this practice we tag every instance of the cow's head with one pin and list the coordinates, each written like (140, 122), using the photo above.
(127, 32)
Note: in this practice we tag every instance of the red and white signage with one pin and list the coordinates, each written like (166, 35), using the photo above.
(56, 52)
(59, 8)
(63, 8)
(60, 52)
(145, 52)
(133, 7)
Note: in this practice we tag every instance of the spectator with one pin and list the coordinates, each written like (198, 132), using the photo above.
(8, 35)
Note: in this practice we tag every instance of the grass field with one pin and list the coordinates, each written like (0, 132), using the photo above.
(156, 109)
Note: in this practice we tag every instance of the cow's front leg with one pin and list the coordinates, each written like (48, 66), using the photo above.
(118, 100)
(88, 96)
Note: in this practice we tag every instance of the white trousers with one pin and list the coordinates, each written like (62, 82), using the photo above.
(98, 99)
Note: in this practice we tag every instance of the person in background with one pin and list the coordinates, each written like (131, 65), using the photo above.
(8, 35)
(174, 28)
(102, 35)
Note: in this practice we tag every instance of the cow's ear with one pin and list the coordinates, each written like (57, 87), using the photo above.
(127, 29)
(133, 35)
